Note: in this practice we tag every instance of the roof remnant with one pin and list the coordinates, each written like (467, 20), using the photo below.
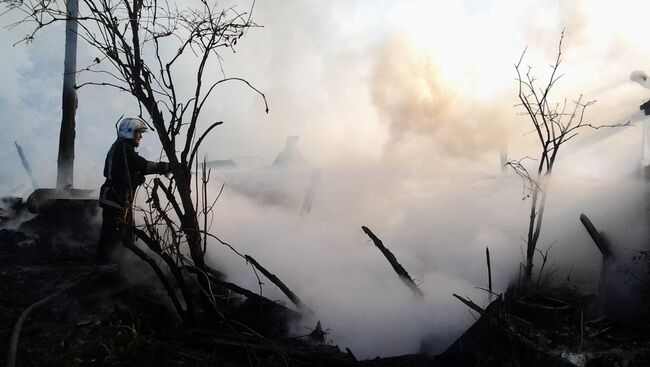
(290, 156)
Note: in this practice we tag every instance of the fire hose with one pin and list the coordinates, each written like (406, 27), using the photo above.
(15, 335)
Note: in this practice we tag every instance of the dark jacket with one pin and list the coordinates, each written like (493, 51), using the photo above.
(124, 170)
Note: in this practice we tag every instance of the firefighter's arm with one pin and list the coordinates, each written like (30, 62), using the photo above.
(144, 166)
(161, 168)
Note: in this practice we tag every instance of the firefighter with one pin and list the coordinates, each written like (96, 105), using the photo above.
(124, 170)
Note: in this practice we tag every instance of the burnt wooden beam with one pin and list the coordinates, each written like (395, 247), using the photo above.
(399, 269)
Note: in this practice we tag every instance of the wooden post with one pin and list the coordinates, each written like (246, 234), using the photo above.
(65, 161)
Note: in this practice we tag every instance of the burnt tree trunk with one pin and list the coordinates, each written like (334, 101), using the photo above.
(65, 161)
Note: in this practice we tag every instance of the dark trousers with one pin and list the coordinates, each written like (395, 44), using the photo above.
(110, 236)
(113, 233)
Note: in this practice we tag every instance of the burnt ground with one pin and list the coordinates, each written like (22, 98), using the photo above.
(126, 320)
(110, 320)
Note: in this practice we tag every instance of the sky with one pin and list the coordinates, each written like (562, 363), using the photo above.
(405, 105)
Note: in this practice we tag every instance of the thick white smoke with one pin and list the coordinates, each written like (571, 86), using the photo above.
(406, 123)
(437, 227)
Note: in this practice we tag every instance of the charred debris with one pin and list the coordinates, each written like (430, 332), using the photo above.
(57, 310)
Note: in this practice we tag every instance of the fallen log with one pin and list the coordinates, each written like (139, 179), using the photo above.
(399, 269)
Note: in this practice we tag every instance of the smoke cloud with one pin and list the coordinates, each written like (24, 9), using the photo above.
(405, 105)
(437, 228)
(411, 97)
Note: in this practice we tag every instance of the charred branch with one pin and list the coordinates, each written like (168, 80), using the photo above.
(599, 238)
(544, 256)
(175, 270)
(470, 304)
(399, 269)
(26, 166)
(605, 248)
(489, 270)
(273, 278)
(161, 275)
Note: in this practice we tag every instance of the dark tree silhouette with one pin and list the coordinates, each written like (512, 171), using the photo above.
(554, 124)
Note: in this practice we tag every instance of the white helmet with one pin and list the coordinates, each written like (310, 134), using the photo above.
(129, 125)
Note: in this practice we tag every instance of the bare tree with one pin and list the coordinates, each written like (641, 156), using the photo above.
(554, 124)
(65, 160)
(140, 44)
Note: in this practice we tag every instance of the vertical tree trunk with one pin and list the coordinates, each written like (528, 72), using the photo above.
(537, 208)
(531, 243)
(65, 161)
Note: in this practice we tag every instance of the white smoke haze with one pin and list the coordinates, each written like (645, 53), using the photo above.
(405, 105)
(437, 228)
(330, 263)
